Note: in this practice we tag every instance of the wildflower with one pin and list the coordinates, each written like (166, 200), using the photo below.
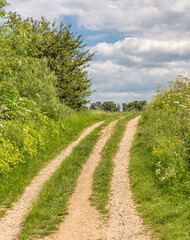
(25, 130)
(3, 107)
(27, 110)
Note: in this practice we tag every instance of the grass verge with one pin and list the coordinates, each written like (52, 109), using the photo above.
(167, 213)
(103, 172)
(50, 208)
(13, 184)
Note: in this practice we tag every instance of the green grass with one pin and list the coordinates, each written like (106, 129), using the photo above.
(103, 172)
(168, 214)
(13, 184)
(160, 162)
(51, 206)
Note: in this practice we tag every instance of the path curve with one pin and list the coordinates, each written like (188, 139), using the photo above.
(84, 222)
(11, 224)
(125, 222)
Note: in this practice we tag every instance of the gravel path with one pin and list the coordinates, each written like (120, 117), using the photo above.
(11, 224)
(84, 222)
(125, 222)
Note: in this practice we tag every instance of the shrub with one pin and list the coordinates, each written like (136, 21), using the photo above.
(167, 118)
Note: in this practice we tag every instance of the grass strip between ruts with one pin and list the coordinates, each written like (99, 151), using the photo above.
(50, 208)
(104, 171)
(168, 215)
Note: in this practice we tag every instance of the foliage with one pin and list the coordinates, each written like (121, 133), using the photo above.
(170, 113)
(160, 162)
(35, 57)
(110, 106)
(136, 105)
(22, 128)
(3, 3)
(96, 106)
(66, 56)
(27, 95)
(107, 106)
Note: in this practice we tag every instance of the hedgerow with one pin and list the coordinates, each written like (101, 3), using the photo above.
(168, 119)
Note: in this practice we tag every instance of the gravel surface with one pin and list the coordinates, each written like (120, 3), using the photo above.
(11, 224)
(125, 222)
(84, 222)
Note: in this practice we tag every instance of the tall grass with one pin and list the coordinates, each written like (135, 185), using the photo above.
(160, 161)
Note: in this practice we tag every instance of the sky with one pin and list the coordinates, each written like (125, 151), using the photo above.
(138, 44)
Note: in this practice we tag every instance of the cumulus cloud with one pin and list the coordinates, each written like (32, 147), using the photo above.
(136, 65)
(144, 52)
(157, 49)
(137, 16)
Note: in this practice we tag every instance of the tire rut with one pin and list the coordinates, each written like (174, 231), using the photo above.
(124, 223)
(11, 224)
(84, 221)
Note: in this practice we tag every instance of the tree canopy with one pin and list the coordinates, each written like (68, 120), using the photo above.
(136, 105)
(65, 53)
(107, 106)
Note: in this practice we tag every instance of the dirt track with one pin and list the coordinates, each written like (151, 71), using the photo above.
(84, 222)
(125, 222)
(11, 224)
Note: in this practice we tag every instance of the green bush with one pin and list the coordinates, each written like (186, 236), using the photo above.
(166, 120)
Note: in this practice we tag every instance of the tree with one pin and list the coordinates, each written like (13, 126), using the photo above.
(109, 106)
(96, 106)
(3, 3)
(118, 107)
(66, 55)
(136, 105)
(30, 76)
(93, 106)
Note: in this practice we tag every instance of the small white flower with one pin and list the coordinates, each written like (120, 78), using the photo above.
(25, 130)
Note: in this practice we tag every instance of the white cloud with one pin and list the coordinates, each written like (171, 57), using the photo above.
(144, 16)
(142, 50)
(134, 66)
(129, 68)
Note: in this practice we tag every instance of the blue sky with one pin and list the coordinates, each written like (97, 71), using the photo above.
(91, 37)
(138, 43)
